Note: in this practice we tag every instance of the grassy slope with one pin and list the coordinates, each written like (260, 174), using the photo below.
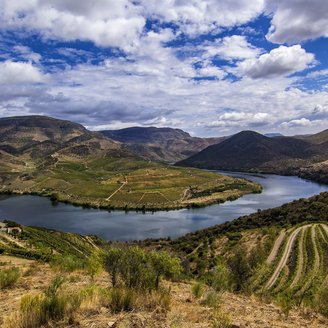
(125, 182)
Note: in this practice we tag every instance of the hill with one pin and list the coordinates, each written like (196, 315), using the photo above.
(251, 151)
(66, 162)
(272, 263)
(318, 138)
(160, 144)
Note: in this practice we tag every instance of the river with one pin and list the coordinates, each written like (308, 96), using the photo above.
(118, 225)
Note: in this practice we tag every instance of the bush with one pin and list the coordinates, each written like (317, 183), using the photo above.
(122, 299)
(321, 300)
(220, 278)
(67, 263)
(197, 289)
(94, 265)
(134, 268)
(8, 277)
(38, 310)
(213, 299)
(221, 320)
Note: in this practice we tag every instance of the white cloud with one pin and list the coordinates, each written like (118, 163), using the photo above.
(231, 48)
(303, 122)
(120, 23)
(297, 20)
(320, 109)
(116, 23)
(202, 16)
(19, 72)
(241, 119)
(281, 61)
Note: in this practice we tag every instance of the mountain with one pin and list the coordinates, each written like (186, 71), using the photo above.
(318, 138)
(160, 144)
(251, 151)
(37, 136)
(274, 134)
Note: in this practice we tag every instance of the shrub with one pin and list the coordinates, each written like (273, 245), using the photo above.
(213, 299)
(8, 277)
(135, 268)
(221, 320)
(122, 299)
(321, 300)
(219, 278)
(286, 303)
(197, 289)
(66, 263)
(38, 310)
(94, 265)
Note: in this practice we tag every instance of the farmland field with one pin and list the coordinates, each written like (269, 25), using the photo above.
(113, 182)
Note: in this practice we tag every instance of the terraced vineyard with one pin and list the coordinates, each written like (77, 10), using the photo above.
(298, 261)
(113, 182)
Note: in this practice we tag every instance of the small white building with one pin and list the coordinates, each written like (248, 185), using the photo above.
(11, 230)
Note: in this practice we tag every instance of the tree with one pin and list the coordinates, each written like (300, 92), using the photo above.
(113, 262)
(93, 265)
(164, 265)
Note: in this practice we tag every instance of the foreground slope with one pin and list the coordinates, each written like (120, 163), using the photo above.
(160, 144)
(278, 256)
(67, 162)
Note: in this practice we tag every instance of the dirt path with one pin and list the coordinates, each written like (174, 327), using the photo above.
(300, 259)
(11, 239)
(316, 266)
(117, 190)
(276, 246)
(284, 258)
(325, 227)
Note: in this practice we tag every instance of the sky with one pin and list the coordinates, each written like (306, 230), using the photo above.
(209, 67)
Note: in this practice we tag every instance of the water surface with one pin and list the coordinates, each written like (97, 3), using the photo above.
(118, 225)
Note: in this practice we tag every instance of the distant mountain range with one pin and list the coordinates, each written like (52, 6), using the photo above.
(44, 140)
(251, 151)
(160, 144)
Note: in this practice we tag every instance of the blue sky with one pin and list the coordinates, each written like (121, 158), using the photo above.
(210, 67)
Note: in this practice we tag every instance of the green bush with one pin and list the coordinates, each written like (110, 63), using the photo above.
(197, 289)
(221, 320)
(213, 299)
(135, 268)
(321, 300)
(53, 304)
(8, 277)
(67, 263)
(122, 299)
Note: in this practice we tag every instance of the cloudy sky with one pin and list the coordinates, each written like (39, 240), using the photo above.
(210, 67)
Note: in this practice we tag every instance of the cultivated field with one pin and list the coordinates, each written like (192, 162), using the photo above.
(128, 184)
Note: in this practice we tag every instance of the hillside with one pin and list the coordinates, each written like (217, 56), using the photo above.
(68, 163)
(268, 269)
(160, 144)
(251, 151)
(318, 138)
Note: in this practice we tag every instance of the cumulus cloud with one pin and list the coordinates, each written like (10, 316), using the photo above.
(297, 20)
(202, 16)
(114, 23)
(241, 119)
(302, 122)
(231, 48)
(281, 61)
(19, 72)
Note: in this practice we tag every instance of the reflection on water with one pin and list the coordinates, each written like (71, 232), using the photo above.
(118, 225)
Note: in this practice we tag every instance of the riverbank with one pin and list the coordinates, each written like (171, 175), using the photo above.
(132, 225)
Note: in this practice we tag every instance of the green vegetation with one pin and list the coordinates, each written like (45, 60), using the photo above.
(9, 277)
(137, 269)
(127, 182)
